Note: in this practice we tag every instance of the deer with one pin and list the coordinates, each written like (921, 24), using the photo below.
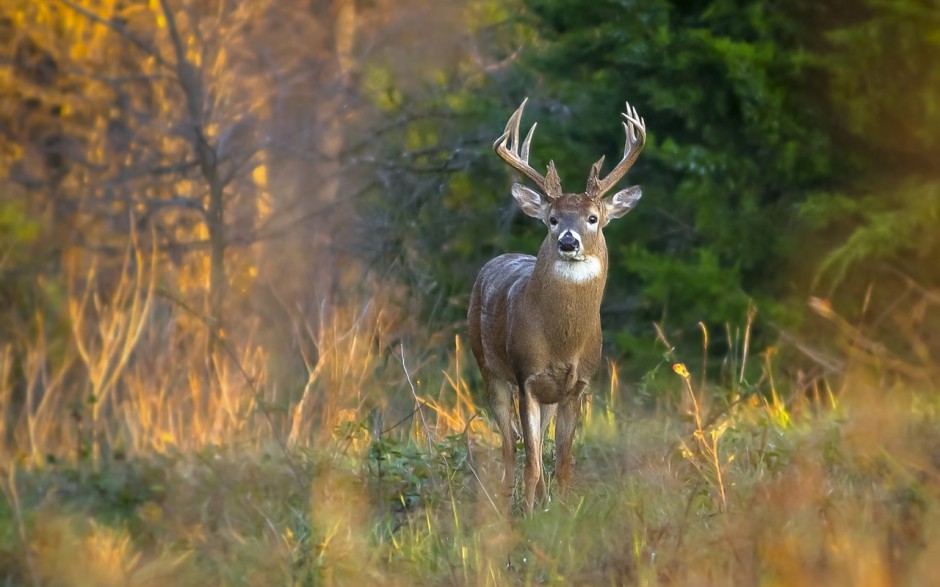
(534, 322)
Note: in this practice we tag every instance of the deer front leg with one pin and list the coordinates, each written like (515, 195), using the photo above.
(547, 413)
(569, 411)
(530, 415)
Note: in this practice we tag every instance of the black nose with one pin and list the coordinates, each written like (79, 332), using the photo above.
(568, 243)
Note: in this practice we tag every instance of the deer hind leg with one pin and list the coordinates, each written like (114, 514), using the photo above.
(499, 394)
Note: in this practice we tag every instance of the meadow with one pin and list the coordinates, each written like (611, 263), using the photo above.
(237, 240)
(128, 460)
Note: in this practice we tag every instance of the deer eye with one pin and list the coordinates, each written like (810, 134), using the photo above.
(553, 221)
(592, 219)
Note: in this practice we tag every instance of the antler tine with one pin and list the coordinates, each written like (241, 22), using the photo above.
(635, 128)
(515, 120)
(508, 148)
(528, 141)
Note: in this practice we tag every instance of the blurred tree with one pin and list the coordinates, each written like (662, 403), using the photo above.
(153, 130)
(874, 237)
(211, 126)
(881, 91)
(244, 140)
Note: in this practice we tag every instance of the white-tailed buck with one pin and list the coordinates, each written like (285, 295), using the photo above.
(535, 324)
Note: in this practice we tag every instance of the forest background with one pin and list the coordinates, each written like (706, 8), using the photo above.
(228, 224)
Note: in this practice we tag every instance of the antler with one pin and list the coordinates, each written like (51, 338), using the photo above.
(508, 148)
(635, 127)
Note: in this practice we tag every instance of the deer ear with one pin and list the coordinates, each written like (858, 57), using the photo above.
(622, 202)
(530, 201)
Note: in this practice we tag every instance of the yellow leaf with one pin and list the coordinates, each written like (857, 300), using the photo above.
(260, 175)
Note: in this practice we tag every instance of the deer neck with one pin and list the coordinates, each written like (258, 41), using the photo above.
(561, 288)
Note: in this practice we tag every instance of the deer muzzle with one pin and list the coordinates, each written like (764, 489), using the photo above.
(569, 244)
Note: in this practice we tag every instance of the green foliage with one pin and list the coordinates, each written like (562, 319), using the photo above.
(17, 229)
(441, 208)
(903, 234)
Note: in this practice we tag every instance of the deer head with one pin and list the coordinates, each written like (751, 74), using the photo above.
(574, 220)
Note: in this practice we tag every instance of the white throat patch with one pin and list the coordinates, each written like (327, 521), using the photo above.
(578, 271)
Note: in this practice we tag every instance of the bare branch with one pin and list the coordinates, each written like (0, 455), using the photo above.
(174, 34)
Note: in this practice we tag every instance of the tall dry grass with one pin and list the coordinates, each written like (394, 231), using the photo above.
(133, 375)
